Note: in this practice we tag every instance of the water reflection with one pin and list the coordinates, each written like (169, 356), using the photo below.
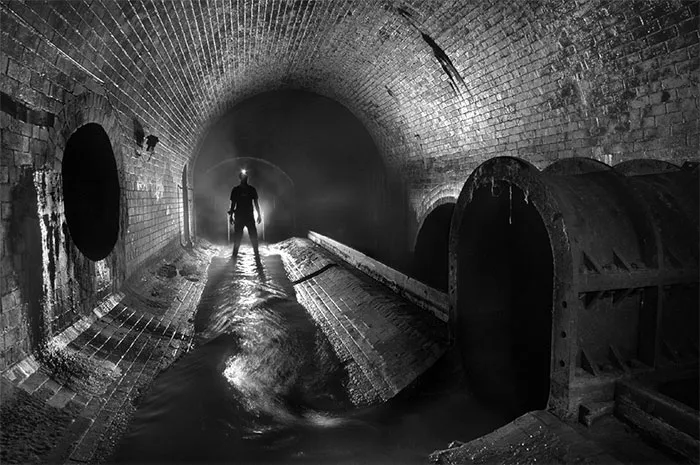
(264, 385)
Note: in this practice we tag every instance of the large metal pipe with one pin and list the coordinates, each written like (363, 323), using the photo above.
(564, 280)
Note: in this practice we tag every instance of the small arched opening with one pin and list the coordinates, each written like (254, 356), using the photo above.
(430, 254)
(343, 188)
(91, 191)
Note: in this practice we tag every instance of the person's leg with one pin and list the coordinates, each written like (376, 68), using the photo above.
(237, 236)
(253, 234)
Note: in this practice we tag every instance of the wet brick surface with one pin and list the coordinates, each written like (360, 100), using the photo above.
(68, 406)
(106, 363)
(385, 341)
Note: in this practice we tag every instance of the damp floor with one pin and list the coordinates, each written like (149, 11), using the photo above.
(265, 384)
(293, 359)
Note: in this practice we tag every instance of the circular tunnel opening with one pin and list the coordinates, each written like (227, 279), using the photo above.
(504, 299)
(430, 255)
(91, 191)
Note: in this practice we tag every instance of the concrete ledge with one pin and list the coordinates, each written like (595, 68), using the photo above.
(409, 288)
(535, 437)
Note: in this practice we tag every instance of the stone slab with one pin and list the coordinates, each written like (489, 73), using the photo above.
(385, 340)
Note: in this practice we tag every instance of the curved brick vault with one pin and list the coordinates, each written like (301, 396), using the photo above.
(441, 86)
(432, 80)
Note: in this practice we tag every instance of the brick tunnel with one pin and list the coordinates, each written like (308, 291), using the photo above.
(478, 231)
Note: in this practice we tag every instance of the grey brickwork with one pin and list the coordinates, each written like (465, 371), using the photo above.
(441, 86)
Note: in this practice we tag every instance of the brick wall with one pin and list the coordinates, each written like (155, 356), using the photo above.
(441, 86)
(46, 284)
(543, 81)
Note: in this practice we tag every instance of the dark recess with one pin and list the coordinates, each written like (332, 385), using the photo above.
(505, 299)
(430, 255)
(91, 191)
(335, 181)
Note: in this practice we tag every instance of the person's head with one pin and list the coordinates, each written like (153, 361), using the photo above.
(243, 176)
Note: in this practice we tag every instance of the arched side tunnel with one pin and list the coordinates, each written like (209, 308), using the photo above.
(275, 188)
(315, 166)
(430, 251)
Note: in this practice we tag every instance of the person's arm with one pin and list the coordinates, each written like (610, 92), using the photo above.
(257, 208)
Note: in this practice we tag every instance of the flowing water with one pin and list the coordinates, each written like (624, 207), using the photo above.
(263, 385)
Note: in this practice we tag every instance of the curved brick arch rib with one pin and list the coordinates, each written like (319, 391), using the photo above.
(82, 109)
(436, 198)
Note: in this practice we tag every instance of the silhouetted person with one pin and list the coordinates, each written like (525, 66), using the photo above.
(243, 198)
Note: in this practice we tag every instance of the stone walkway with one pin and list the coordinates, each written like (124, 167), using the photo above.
(536, 437)
(541, 437)
(96, 369)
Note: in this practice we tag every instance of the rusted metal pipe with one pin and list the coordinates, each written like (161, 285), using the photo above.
(596, 264)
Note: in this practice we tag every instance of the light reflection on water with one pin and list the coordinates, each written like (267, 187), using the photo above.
(264, 385)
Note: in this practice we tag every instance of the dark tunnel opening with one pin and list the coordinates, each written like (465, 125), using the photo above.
(503, 315)
(276, 191)
(430, 255)
(316, 168)
(91, 191)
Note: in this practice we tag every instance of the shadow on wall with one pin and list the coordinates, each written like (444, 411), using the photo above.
(62, 231)
(342, 187)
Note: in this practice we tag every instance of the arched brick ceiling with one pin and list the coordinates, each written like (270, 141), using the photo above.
(440, 85)
(185, 63)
